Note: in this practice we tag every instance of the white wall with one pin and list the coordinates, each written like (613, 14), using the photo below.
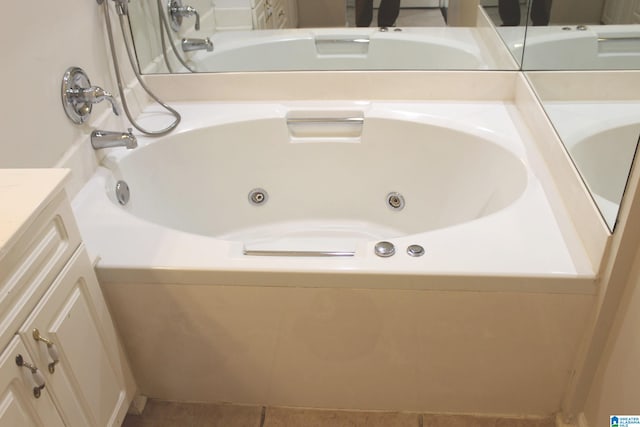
(39, 41)
(615, 389)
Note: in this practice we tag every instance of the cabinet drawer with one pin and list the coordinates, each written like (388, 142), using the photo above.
(33, 262)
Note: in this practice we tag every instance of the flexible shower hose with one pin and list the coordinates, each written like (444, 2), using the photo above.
(122, 12)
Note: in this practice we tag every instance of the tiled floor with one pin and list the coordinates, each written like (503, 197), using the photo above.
(171, 414)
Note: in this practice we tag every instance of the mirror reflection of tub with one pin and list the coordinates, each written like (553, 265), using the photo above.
(604, 159)
(349, 48)
(576, 47)
(601, 137)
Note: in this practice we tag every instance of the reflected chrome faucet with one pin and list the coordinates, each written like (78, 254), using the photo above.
(177, 11)
(189, 45)
(106, 139)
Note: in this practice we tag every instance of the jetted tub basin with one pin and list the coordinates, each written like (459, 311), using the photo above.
(307, 182)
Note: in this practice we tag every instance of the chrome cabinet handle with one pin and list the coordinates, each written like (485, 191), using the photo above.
(38, 379)
(51, 349)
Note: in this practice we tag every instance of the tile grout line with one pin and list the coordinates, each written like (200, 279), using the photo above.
(263, 415)
(420, 420)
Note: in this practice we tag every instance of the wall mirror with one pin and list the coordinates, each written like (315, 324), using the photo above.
(569, 34)
(281, 35)
(596, 114)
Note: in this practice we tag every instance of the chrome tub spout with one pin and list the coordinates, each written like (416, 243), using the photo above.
(106, 139)
(189, 45)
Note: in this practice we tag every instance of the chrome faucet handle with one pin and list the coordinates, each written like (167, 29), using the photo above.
(78, 96)
(177, 11)
(195, 12)
(96, 94)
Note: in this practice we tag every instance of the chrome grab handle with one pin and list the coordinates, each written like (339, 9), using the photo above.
(623, 38)
(342, 40)
(302, 120)
(252, 252)
(51, 349)
(346, 124)
(38, 379)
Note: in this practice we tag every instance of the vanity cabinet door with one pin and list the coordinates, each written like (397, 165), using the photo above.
(87, 382)
(280, 14)
(18, 404)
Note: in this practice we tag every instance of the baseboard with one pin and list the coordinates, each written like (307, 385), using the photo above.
(582, 420)
(137, 405)
(579, 421)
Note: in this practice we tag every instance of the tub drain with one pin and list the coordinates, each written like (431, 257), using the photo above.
(123, 194)
(395, 201)
(258, 196)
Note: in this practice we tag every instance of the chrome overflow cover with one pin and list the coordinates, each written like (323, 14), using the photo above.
(123, 194)
(395, 201)
(384, 249)
(415, 250)
(258, 196)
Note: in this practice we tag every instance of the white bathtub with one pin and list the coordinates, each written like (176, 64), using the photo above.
(472, 199)
(346, 49)
(488, 320)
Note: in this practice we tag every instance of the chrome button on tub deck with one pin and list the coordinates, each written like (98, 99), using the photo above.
(384, 249)
(415, 250)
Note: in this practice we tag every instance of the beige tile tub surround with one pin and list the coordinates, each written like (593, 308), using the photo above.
(172, 414)
(365, 349)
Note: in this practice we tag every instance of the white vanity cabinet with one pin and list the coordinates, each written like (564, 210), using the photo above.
(280, 14)
(53, 314)
(262, 13)
(255, 14)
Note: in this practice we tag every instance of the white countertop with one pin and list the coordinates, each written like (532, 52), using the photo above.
(23, 194)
